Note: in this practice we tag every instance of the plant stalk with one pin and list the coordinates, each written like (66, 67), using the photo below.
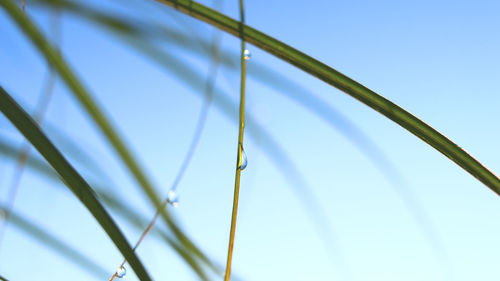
(239, 159)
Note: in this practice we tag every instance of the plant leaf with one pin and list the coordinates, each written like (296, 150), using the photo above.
(73, 180)
(49, 240)
(343, 83)
(97, 114)
(124, 210)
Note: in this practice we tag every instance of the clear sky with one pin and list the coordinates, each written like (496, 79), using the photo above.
(334, 208)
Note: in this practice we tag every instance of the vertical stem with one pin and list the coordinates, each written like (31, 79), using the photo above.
(240, 147)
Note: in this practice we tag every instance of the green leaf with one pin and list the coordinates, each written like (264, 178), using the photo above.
(49, 240)
(343, 83)
(97, 114)
(111, 200)
(23, 122)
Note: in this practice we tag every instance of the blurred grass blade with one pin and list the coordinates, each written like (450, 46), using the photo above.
(92, 108)
(273, 150)
(40, 110)
(112, 200)
(283, 85)
(22, 121)
(11, 152)
(343, 83)
(282, 161)
(209, 87)
(55, 243)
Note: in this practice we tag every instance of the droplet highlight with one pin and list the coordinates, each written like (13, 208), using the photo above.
(172, 198)
(247, 54)
(243, 161)
(120, 272)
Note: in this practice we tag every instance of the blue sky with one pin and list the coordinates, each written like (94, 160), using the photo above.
(437, 59)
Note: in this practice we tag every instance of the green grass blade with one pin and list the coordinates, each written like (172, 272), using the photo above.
(111, 200)
(23, 122)
(343, 83)
(49, 240)
(145, 31)
(271, 147)
(142, 31)
(94, 110)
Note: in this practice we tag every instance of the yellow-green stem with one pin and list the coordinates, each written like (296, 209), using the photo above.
(239, 159)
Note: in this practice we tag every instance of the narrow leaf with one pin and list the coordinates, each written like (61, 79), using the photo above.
(343, 83)
(97, 114)
(23, 122)
(49, 240)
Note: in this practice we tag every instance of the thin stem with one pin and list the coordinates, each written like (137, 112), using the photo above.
(209, 89)
(240, 148)
(143, 235)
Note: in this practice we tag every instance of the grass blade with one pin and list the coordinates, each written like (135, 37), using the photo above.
(73, 180)
(49, 240)
(97, 114)
(111, 200)
(283, 85)
(40, 110)
(343, 83)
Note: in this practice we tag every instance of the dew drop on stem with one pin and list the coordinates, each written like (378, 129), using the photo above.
(247, 54)
(172, 198)
(120, 272)
(243, 161)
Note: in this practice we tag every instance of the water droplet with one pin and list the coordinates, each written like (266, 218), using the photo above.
(243, 161)
(121, 271)
(247, 54)
(172, 198)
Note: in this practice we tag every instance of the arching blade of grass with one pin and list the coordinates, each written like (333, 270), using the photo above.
(343, 83)
(21, 120)
(291, 173)
(49, 240)
(117, 25)
(98, 116)
(112, 201)
(283, 85)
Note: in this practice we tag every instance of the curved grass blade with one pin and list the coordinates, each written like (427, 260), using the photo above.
(49, 240)
(119, 206)
(73, 180)
(276, 154)
(284, 86)
(93, 109)
(343, 83)
(285, 165)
